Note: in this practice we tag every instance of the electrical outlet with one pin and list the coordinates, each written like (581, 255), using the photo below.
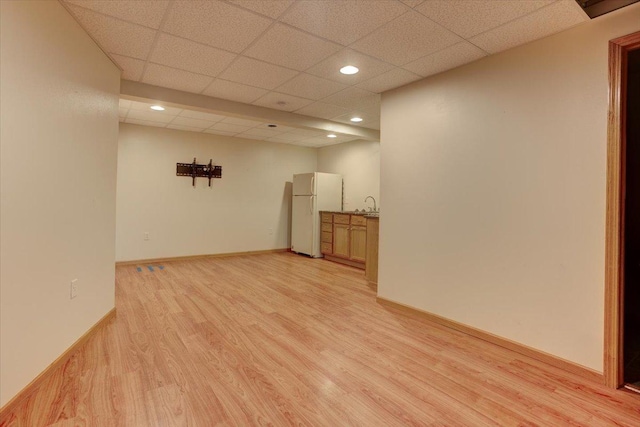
(146, 235)
(74, 289)
(270, 231)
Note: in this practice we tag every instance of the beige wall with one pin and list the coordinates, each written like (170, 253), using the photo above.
(359, 163)
(248, 209)
(59, 113)
(494, 191)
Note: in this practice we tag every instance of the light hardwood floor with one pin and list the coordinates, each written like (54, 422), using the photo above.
(280, 339)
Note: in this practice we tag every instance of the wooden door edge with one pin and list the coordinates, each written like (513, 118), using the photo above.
(614, 248)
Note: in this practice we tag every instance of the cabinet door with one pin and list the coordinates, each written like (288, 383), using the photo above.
(326, 248)
(341, 240)
(371, 265)
(358, 243)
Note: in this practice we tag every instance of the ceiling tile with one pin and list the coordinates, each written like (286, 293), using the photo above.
(262, 133)
(279, 140)
(322, 110)
(344, 138)
(343, 21)
(389, 80)
(192, 123)
(150, 116)
(354, 97)
(144, 12)
(159, 75)
(446, 59)
(233, 91)
(145, 123)
(406, 39)
(330, 67)
(131, 67)
(372, 125)
(371, 111)
(310, 87)
(210, 117)
(247, 136)
(257, 73)
(219, 132)
(287, 137)
(468, 18)
(215, 23)
(114, 35)
(281, 101)
(286, 46)
(190, 56)
(278, 128)
(366, 118)
(412, 3)
(181, 127)
(146, 106)
(241, 122)
(271, 8)
(544, 22)
(321, 141)
(228, 127)
(306, 132)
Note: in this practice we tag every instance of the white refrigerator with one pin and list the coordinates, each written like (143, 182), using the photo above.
(312, 193)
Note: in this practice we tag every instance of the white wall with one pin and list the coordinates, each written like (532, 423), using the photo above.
(494, 191)
(248, 209)
(359, 164)
(59, 112)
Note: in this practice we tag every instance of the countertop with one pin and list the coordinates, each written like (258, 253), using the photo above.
(362, 213)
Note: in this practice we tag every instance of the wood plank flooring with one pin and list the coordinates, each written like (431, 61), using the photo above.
(280, 339)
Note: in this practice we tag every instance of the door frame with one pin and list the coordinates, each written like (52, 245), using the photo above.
(614, 238)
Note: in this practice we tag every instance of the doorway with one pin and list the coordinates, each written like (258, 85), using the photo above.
(622, 246)
(631, 266)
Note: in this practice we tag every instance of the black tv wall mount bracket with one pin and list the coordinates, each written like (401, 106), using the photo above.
(194, 170)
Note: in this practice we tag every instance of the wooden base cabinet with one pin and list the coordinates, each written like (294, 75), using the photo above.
(358, 243)
(348, 238)
(371, 270)
(341, 240)
(326, 246)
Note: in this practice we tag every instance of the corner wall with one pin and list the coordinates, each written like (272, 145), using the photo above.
(359, 164)
(248, 209)
(59, 130)
(494, 191)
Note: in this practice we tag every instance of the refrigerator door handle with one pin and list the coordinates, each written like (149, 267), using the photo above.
(313, 178)
(311, 205)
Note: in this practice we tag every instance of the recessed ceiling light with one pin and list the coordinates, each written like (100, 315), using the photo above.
(331, 136)
(157, 107)
(349, 69)
(356, 119)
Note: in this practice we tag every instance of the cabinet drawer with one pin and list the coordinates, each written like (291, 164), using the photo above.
(341, 219)
(327, 237)
(326, 217)
(327, 227)
(326, 248)
(358, 220)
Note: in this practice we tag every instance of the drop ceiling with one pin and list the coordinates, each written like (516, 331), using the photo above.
(285, 54)
(186, 119)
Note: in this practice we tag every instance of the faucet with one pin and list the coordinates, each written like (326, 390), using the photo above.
(374, 203)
